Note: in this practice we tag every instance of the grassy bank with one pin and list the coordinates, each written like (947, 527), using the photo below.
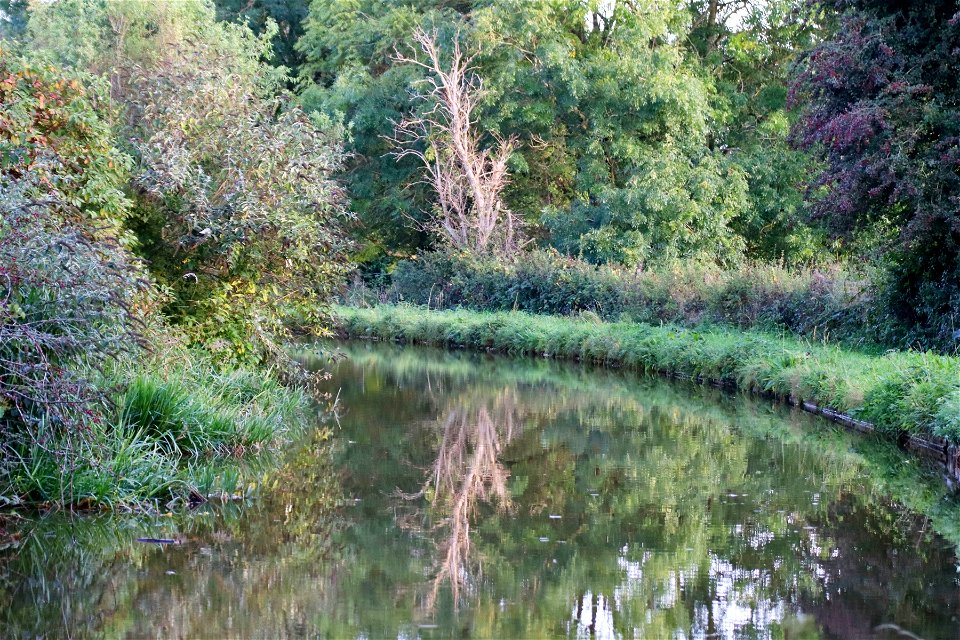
(900, 393)
(173, 428)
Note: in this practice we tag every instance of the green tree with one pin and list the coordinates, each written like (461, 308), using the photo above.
(614, 121)
(13, 18)
(634, 144)
(108, 36)
(237, 212)
(258, 14)
(350, 75)
(747, 47)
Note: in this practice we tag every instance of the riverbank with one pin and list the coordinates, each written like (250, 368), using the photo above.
(911, 398)
(172, 429)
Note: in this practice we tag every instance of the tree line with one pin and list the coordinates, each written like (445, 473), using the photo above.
(642, 133)
(208, 174)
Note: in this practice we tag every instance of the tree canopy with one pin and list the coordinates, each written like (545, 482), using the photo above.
(644, 130)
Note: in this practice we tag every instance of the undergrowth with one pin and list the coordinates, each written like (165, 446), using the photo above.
(828, 303)
(172, 430)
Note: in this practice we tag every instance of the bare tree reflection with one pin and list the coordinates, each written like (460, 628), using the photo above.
(466, 472)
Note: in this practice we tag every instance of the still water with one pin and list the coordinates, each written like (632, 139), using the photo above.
(468, 496)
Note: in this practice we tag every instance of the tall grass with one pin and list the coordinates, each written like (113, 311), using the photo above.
(228, 413)
(899, 392)
(174, 424)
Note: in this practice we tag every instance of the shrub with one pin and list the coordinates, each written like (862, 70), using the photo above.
(880, 106)
(65, 300)
(822, 304)
(241, 229)
(86, 416)
(65, 310)
(237, 210)
(52, 132)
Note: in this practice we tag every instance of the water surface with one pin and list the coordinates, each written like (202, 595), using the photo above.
(485, 497)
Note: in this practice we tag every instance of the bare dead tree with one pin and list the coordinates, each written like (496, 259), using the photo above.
(467, 177)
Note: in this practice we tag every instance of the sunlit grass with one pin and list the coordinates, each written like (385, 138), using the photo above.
(898, 392)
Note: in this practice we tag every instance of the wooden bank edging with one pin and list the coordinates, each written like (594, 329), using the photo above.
(938, 450)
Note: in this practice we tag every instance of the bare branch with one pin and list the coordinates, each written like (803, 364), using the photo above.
(468, 179)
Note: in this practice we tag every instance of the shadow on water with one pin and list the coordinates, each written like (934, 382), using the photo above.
(467, 495)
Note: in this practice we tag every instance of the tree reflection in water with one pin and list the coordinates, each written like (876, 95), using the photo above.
(670, 511)
(467, 470)
(542, 501)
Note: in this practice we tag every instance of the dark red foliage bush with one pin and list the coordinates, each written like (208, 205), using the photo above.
(881, 105)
